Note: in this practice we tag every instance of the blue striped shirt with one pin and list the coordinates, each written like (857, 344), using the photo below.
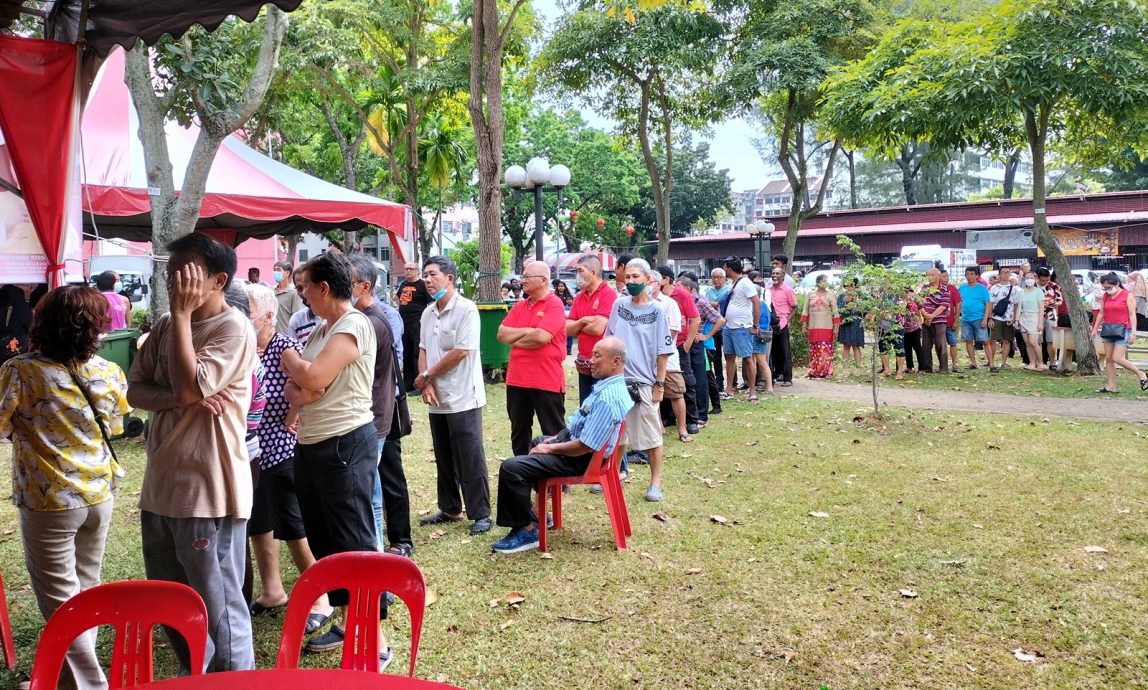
(596, 421)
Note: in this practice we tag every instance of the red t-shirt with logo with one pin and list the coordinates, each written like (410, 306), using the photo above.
(540, 367)
(597, 303)
(689, 309)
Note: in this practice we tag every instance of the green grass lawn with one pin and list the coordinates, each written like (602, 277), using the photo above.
(1011, 381)
(984, 518)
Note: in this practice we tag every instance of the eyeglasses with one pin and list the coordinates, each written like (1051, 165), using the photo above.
(529, 277)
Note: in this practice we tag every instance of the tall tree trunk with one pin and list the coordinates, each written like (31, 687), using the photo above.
(661, 215)
(791, 156)
(852, 178)
(909, 163)
(486, 116)
(1036, 127)
(173, 215)
(665, 230)
(1011, 164)
(292, 248)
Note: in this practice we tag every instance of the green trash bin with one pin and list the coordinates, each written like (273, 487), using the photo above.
(494, 355)
(120, 347)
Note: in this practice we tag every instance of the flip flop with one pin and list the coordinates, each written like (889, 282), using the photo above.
(1104, 390)
(1144, 384)
(316, 621)
(685, 438)
(258, 609)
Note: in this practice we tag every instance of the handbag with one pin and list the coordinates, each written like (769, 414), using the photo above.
(1112, 331)
(401, 424)
(582, 365)
(99, 420)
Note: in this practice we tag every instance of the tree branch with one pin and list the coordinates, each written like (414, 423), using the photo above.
(274, 26)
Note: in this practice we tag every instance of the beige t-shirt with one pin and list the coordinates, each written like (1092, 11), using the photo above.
(197, 462)
(456, 326)
(346, 405)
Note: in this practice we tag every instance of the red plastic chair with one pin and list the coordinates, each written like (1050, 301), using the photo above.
(6, 630)
(367, 576)
(133, 608)
(602, 470)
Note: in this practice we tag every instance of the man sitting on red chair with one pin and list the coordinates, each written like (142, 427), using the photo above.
(592, 427)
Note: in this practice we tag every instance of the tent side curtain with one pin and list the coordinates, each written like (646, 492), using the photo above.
(38, 76)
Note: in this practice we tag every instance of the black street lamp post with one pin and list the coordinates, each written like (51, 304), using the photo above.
(534, 177)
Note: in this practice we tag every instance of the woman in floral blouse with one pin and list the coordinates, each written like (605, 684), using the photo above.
(63, 472)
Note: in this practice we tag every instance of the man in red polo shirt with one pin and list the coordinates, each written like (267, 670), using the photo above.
(588, 316)
(535, 330)
(691, 322)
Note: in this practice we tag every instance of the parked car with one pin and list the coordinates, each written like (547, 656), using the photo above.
(810, 280)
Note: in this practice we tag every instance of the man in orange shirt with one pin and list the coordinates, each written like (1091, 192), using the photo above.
(535, 330)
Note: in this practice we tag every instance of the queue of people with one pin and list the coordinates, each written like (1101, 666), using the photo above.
(267, 430)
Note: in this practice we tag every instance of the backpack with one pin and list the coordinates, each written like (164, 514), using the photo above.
(1001, 307)
(723, 303)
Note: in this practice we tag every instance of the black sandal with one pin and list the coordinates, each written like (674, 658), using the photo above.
(439, 518)
(1105, 390)
(1144, 384)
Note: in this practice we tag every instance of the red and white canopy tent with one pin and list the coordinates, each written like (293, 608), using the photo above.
(567, 262)
(248, 194)
(42, 89)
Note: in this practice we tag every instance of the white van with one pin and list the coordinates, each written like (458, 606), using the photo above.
(134, 272)
(922, 257)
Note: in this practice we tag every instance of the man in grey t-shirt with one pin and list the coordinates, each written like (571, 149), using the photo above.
(640, 323)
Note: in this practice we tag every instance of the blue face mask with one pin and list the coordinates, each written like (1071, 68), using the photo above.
(117, 287)
(277, 276)
(439, 295)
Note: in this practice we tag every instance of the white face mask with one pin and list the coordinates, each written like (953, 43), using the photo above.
(579, 281)
(1030, 282)
(1112, 290)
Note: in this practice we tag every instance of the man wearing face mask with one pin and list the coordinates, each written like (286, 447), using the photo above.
(286, 295)
(119, 307)
(587, 318)
(413, 299)
(641, 324)
(450, 381)
(302, 322)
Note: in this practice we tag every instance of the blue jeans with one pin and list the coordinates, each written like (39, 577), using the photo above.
(377, 502)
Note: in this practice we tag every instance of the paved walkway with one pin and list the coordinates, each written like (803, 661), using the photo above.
(1073, 408)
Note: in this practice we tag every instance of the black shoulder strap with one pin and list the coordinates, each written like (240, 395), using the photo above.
(99, 421)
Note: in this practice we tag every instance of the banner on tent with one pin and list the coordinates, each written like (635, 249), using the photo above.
(22, 258)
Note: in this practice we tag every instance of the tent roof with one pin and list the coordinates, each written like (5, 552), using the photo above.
(246, 190)
(120, 22)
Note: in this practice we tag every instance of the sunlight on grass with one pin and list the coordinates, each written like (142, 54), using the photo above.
(984, 517)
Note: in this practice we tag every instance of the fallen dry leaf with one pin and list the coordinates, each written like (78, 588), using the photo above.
(718, 519)
(907, 593)
(506, 624)
(789, 655)
(818, 514)
(1095, 549)
(958, 563)
(1026, 657)
(661, 517)
(425, 512)
(494, 603)
(646, 555)
(513, 598)
(686, 455)
(464, 541)
(438, 534)
(694, 571)
(431, 597)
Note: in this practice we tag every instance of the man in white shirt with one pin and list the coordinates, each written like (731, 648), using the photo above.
(675, 386)
(450, 382)
(741, 325)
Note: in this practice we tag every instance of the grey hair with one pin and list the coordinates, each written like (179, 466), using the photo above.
(717, 272)
(263, 298)
(591, 262)
(640, 264)
(652, 275)
(615, 346)
(364, 269)
(687, 282)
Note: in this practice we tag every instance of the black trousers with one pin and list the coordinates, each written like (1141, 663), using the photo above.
(913, 349)
(410, 354)
(585, 387)
(717, 367)
(523, 405)
(396, 498)
(461, 463)
(700, 389)
(781, 355)
(518, 476)
(691, 385)
(334, 482)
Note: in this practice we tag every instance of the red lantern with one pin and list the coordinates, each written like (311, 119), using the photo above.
(630, 230)
(601, 223)
(573, 216)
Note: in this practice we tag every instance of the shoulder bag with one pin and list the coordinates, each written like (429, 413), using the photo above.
(99, 420)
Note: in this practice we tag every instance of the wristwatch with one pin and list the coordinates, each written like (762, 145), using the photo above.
(659, 383)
